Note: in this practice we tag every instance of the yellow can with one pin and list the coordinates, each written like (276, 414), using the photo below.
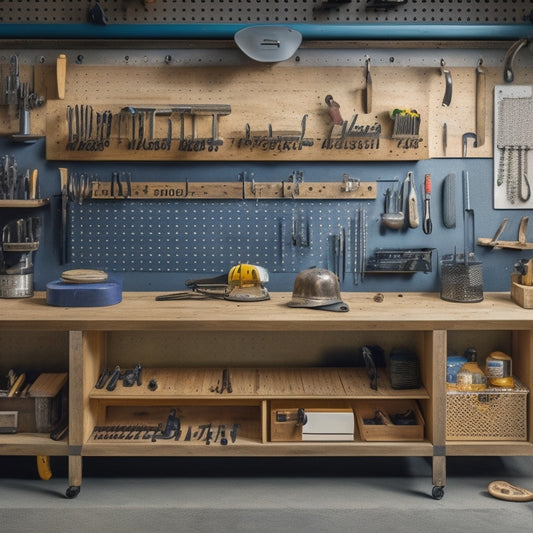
(499, 370)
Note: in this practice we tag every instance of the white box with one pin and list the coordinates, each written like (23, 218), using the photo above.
(329, 425)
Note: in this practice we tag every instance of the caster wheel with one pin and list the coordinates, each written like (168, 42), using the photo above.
(72, 492)
(437, 492)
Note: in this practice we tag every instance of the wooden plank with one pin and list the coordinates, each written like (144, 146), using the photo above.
(48, 385)
(101, 190)
(309, 191)
(32, 444)
(21, 204)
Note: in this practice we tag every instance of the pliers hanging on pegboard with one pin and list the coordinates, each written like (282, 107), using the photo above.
(122, 190)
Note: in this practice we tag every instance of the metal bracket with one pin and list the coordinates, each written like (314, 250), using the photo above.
(467, 136)
(439, 451)
(508, 75)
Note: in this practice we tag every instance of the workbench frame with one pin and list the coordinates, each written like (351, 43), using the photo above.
(207, 334)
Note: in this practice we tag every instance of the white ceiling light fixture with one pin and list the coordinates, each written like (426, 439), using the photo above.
(268, 44)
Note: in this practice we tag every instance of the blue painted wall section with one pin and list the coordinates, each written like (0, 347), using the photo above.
(157, 245)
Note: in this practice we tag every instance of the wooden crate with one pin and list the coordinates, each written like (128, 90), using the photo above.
(39, 409)
(521, 294)
(284, 426)
(366, 409)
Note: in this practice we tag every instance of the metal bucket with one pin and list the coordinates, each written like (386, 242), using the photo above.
(16, 285)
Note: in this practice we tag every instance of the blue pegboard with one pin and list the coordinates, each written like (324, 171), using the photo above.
(165, 236)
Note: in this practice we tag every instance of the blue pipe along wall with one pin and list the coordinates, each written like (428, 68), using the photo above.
(208, 237)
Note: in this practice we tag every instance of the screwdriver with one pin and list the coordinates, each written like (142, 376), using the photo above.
(427, 226)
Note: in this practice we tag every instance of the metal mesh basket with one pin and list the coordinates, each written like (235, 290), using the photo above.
(461, 281)
(494, 414)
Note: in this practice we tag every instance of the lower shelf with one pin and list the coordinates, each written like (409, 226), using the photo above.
(217, 430)
(249, 448)
(32, 444)
(495, 448)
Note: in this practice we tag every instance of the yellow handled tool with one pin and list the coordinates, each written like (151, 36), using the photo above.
(61, 73)
(17, 385)
(43, 467)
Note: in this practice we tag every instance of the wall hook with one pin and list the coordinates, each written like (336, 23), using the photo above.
(447, 99)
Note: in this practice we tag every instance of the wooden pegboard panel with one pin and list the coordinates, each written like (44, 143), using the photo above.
(259, 96)
(269, 106)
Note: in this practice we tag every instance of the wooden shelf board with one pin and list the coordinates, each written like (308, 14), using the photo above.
(480, 447)
(24, 203)
(257, 383)
(244, 447)
(32, 444)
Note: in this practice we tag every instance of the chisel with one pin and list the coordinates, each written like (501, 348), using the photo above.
(63, 174)
(61, 71)
(33, 184)
(480, 104)
(17, 385)
(368, 88)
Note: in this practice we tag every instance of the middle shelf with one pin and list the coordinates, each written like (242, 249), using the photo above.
(255, 383)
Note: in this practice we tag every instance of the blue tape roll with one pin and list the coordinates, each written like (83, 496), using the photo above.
(63, 294)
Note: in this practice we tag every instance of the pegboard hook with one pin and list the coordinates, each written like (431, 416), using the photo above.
(296, 177)
(447, 99)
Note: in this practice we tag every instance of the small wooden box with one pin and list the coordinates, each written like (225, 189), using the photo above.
(521, 294)
(39, 409)
(365, 409)
(327, 421)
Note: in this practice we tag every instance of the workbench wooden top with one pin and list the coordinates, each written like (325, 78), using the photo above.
(140, 311)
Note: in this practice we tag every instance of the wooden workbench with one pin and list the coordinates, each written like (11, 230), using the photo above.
(274, 353)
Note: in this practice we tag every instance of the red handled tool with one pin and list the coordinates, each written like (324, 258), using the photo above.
(427, 226)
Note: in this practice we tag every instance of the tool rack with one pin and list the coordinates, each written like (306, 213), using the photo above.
(182, 345)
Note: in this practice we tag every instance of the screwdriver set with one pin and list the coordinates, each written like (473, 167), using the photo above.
(17, 185)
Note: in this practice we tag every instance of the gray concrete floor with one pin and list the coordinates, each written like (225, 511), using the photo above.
(264, 495)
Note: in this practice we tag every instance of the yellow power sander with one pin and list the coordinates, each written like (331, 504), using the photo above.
(243, 283)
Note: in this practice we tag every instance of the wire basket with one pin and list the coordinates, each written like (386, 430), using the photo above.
(494, 414)
(461, 280)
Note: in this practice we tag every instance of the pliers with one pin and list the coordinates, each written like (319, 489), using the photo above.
(117, 180)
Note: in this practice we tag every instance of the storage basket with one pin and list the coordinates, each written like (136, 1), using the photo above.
(493, 414)
(461, 279)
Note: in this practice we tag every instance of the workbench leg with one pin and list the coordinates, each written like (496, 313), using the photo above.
(74, 476)
(439, 476)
